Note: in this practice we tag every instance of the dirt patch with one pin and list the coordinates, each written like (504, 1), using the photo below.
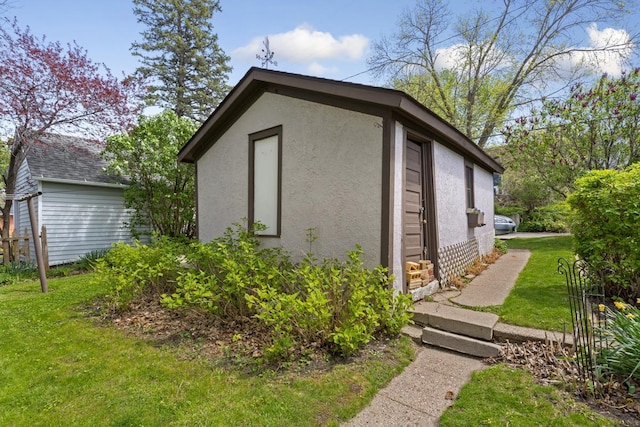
(237, 342)
(552, 364)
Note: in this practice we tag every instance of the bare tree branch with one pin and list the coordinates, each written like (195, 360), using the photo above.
(474, 70)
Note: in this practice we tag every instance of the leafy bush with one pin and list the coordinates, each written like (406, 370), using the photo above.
(508, 210)
(606, 206)
(337, 305)
(224, 271)
(133, 270)
(500, 245)
(622, 356)
(552, 218)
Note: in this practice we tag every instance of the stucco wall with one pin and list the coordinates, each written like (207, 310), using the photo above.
(483, 185)
(451, 201)
(331, 177)
(450, 196)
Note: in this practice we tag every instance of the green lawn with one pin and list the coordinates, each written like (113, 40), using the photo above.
(502, 396)
(510, 397)
(57, 367)
(539, 297)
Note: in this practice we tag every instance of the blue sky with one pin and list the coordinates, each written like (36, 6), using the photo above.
(328, 38)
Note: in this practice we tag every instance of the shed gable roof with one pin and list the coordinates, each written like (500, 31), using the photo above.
(69, 158)
(342, 94)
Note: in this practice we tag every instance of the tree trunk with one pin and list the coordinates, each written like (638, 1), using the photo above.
(10, 180)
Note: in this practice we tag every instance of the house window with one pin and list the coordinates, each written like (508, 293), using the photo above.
(468, 181)
(265, 164)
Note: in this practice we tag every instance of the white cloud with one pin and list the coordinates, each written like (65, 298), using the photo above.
(318, 69)
(606, 52)
(449, 57)
(304, 44)
(453, 57)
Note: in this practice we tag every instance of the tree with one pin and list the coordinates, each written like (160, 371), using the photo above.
(495, 61)
(45, 86)
(180, 53)
(596, 127)
(162, 190)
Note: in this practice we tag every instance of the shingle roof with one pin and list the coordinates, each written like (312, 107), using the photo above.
(52, 156)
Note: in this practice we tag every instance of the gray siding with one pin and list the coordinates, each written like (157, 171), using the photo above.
(25, 185)
(81, 218)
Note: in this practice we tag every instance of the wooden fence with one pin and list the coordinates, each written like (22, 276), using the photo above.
(18, 247)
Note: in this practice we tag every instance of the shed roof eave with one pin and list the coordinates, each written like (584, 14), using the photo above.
(257, 80)
(76, 182)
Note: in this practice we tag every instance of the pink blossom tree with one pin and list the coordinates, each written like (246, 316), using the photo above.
(46, 86)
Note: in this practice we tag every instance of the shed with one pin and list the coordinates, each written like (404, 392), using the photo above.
(353, 163)
(81, 205)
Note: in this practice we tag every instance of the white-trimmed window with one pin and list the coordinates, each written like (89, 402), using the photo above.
(265, 164)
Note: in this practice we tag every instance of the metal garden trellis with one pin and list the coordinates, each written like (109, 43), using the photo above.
(585, 286)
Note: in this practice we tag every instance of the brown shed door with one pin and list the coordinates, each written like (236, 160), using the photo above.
(414, 208)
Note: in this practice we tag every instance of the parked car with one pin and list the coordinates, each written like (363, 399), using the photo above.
(503, 224)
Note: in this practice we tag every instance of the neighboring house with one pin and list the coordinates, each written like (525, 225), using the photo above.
(356, 164)
(81, 206)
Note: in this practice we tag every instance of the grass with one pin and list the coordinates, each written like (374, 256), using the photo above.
(58, 367)
(539, 297)
(510, 397)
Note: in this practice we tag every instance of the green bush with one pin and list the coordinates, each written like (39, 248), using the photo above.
(508, 210)
(337, 305)
(133, 270)
(225, 270)
(606, 207)
(500, 245)
(553, 218)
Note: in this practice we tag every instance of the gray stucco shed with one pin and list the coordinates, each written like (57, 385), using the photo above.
(357, 164)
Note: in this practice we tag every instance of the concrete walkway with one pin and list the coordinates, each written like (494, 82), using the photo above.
(421, 393)
(494, 284)
(430, 384)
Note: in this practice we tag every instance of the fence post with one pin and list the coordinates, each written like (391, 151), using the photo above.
(5, 252)
(25, 246)
(45, 247)
(15, 246)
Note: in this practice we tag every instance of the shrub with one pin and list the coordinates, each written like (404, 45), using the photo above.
(337, 305)
(606, 214)
(224, 271)
(133, 270)
(552, 218)
(622, 355)
(508, 210)
(500, 246)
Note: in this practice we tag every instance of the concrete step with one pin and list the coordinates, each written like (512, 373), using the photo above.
(459, 343)
(457, 320)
